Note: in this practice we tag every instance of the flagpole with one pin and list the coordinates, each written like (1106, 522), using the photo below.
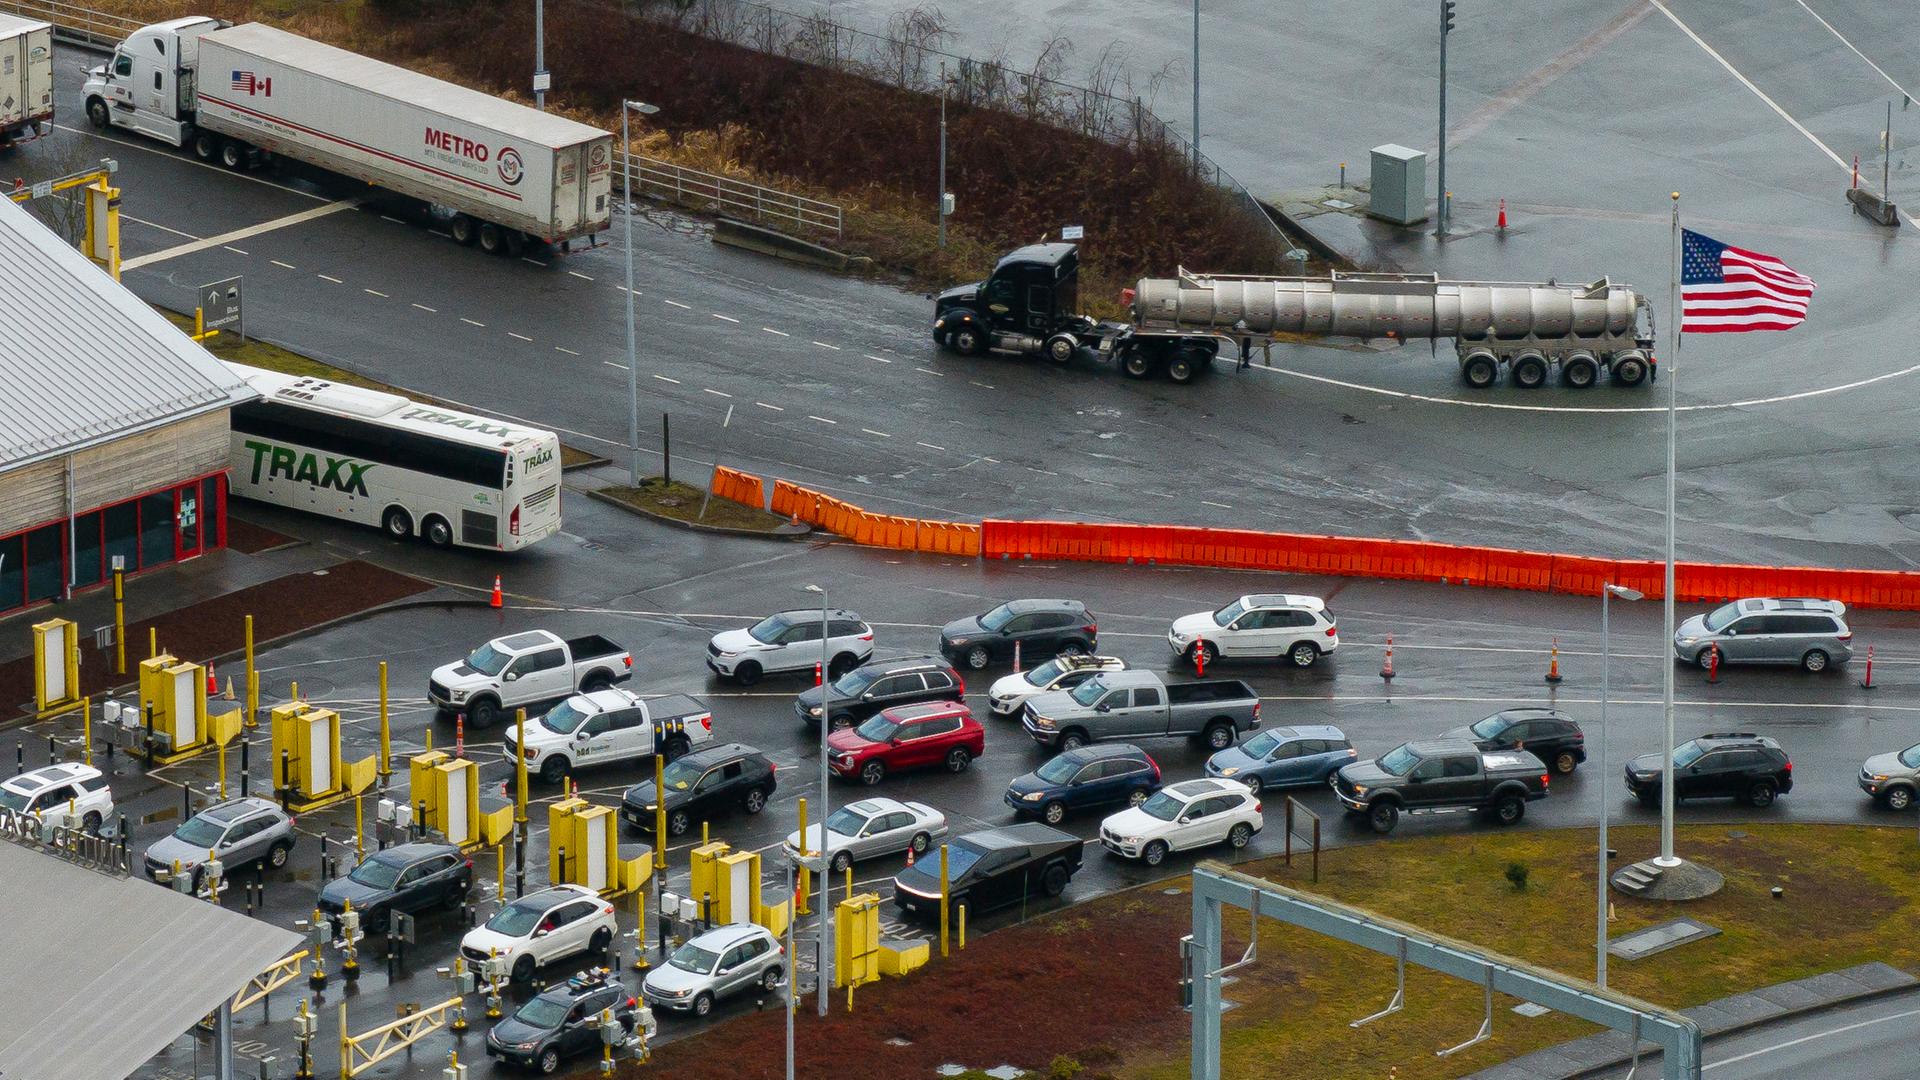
(1667, 857)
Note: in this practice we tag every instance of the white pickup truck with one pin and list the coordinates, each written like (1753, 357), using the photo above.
(523, 670)
(606, 726)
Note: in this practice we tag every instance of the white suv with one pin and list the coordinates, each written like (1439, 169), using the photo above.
(69, 795)
(1268, 626)
(790, 641)
(542, 927)
(1187, 815)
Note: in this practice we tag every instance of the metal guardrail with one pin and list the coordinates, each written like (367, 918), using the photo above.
(698, 190)
(74, 24)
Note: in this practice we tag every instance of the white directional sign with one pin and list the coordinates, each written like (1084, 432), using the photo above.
(1073, 232)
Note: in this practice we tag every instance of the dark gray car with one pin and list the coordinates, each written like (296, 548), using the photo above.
(409, 878)
(238, 832)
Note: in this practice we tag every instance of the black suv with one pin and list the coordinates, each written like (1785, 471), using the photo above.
(1729, 764)
(1547, 734)
(882, 684)
(557, 1023)
(409, 878)
(701, 785)
(1042, 628)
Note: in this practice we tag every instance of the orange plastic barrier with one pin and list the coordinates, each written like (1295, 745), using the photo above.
(738, 487)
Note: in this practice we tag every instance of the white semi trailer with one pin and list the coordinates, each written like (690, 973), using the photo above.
(26, 79)
(502, 174)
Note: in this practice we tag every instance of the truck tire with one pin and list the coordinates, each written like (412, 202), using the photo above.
(1187, 365)
(1481, 369)
(206, 145)
(967, 340)
(1579, 372)
(398, 523)
(1060, 348)
(97, 113)
(233, 154)
(1383, 816)
(553, 770)
(1053, 880)
(1218, 736)
(599, 680)
(1139, 363)
(438, 532)
(484, 713)
(493, 239)
(677, 748)
(516, 243)
(1509, 809)
(1072, 739)
(463, 229)
(1530, 371)
(1629, 369)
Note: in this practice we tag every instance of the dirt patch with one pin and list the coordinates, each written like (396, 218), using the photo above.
(250, 539)
(684, 502)
(285, 605)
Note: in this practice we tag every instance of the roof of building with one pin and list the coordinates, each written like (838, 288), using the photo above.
(120, 967)
(84, 361)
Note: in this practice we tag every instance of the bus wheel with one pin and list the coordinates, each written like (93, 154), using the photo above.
(439, 533)
(398, 523)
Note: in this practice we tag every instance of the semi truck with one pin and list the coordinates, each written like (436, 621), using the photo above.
(1177, 326)
(501, 175)
(26, 79)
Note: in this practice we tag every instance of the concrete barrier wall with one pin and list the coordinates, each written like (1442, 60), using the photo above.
(777, 244)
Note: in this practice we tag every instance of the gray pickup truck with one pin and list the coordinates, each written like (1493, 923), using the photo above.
(1441, 776)
(1138, 705)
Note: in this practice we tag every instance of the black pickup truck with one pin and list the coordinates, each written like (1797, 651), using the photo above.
(1440, 777)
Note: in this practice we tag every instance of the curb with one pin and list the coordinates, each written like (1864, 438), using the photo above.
(692, 526)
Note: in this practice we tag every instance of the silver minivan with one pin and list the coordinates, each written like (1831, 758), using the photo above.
(1812, 634)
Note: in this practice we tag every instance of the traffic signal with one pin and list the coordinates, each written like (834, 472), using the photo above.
(1446, 16)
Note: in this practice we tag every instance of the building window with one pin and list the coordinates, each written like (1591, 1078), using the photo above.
(13, 591)
(156, 529)
(213, 516)
(46, 568)
(123, 536)
(86, 550)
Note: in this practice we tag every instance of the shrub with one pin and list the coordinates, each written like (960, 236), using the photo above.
(1517, 874)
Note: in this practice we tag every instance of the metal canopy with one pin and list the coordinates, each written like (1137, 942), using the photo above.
(101, 972)
(1215, 886)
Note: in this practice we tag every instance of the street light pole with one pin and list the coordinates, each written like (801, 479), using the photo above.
(1440, 211)
(633, 366)
(1607, 593)
(825, 966)
(941, 209)
(1667, 857)
(1196, 85)
(540, 54)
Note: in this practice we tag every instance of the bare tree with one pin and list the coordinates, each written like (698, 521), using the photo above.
(913, 37)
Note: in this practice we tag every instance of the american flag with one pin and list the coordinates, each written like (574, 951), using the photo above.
(1728, 290)
(246, 82)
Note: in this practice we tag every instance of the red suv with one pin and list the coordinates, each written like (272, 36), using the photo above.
(908, 737)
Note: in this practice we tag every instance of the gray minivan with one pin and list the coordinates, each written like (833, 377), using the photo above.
(1811, 634)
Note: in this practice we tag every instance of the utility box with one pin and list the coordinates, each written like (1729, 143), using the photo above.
(1399, 190)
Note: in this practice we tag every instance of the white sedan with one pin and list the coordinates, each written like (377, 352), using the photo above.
(540, 928)
(874, 827)
(1063, 672)
(1187, 815)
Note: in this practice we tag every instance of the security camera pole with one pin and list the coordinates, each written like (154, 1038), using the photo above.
(826, 809)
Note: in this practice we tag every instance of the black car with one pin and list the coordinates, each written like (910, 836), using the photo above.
(882, 684)
(1547, 734)
(1729, 764)
(989, 869)
(1042, 628)
(557, 1024)
(702, 785)
(409, 878)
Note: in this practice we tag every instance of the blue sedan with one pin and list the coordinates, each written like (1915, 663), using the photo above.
(1284, 756)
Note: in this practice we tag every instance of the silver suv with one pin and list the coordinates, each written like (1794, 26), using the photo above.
(790, 641)
(720, 962)
(238, 831)
(1810, 633)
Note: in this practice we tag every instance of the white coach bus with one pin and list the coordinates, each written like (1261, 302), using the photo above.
(394, 464)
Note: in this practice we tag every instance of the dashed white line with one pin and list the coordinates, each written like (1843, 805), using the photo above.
(715, 393)
(929, 446)
(579, 275)
(381, 295)
(824, 345)
(397, 221)
(470, 322)
(882, 359)
(723, 318)
(335, 280)
(428, 310)
(233, 249)
(822, 419)
(764, 405)
(522, 337)
(869, 431)
(990, 460)
(570, 352)
(930, 371)
(662, 378)
(771, 330)
(678, 304)
(1204, 502)
(981, 385)
(610, 363)
(1157, 494)
(535, 262)
(283, 266)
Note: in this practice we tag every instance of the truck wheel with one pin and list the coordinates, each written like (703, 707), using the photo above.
(206, 145)
(516, 242)
(1303, 654)
(1219, 736)
(842, 664)
(1480, 370)
(1073, 739)
(1139, 363)
(1629, 371)
(463, 229)
(491, 240)
(677, 748)
(97, 113)
(1060, 348)
(398, 523)
(553, 770)
(1580, 372)
(1509, 809)
(599, 680)
(1383, 816)
(439, 533)
(968, 341)
(233, 154)
(484, 713)
(1053, 881)
(1529, 372)
(1186, 365)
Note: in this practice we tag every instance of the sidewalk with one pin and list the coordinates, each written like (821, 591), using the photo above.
(199, 609)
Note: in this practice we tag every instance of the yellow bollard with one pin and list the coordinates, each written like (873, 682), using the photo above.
(359, 833)
(346, 1058)
(222, 749)
(943, 900)
(153, 643)
(119, 618)
(640, 936)
(849, 892)
(429, 739)
(800, 900)
(963, 926)
(500, 859)
(704, 839)
(253, 700)
(251, 672)
(659, 812)
(293, 693)
(386, 730)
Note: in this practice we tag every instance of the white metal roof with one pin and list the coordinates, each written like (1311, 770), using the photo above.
(325, 61)
(83, 361)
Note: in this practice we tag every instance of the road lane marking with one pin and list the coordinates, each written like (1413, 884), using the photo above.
(428, 310)
(822, 419)
(522, 337)
(528, 259)
(1210, 502)
(240, 234)
(1904, 92)
(376, 292)
(325, 277)
(882, 359)
(678, 304)
(981, 385)
(283, 266)
(715, 393)
(663, 378)
(579, 275)
(171, 155)
(824, 345)
(771, 330)
(882, 434)
(725, 318)
(470, 322)
(390, 217)
(930, 371)
(233, 249)
(929, 446)
(764, 405)
(610, 363)
(1808, 1038)
(570, 352)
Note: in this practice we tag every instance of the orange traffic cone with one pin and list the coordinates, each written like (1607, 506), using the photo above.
(1553, 666)
(496, 601)
(1503, 213)
(816, 674)
(1386, 669)
(1200, 658)
(459, 735)
(909, 858)
(213, 684)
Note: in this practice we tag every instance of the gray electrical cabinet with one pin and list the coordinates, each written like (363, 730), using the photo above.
(1399, 185)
